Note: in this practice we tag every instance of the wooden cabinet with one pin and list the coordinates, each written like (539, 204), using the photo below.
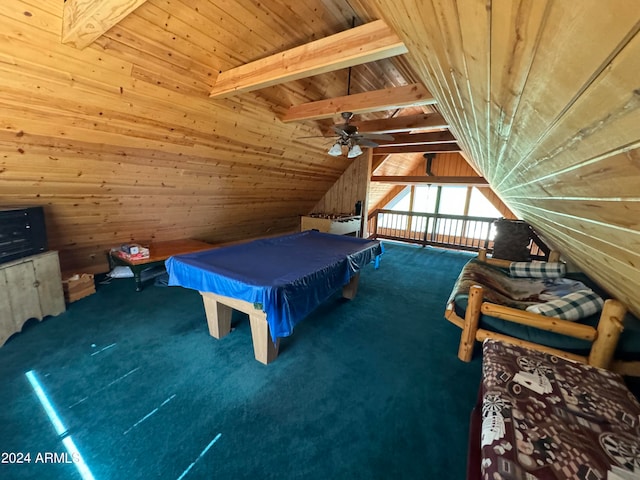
(30, 287)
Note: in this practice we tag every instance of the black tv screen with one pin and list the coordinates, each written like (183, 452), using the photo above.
(22, 232)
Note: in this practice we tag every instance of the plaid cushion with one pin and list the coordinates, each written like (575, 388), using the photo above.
(573, 306)
(537, 269)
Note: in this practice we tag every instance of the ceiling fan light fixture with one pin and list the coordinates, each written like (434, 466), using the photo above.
(336, 150)
(354, 151)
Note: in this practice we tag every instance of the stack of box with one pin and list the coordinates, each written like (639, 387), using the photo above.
(78, 286)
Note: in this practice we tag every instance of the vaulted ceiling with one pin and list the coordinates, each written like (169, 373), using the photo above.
(120, 139)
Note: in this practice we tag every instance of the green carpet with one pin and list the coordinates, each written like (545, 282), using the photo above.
(369, 388)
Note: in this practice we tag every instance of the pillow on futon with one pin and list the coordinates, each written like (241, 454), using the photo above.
(537, 269)
(573, 306)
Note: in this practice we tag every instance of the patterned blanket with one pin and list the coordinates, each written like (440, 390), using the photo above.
(503, 289)
(544, 417)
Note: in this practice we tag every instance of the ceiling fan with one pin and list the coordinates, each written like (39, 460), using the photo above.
(348, 137)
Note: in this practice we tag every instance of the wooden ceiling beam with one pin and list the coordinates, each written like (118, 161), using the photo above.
(401, 139)
(377, 161)
(375, 101)
(84, 21)
(425, 148)
(432, 121)
(436, 180)
(366, 43)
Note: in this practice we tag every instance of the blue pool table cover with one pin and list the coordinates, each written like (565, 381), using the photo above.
(288, 275)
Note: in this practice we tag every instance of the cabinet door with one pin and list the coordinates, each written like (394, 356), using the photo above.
(49, 283)
(23, 296)
(7, 324)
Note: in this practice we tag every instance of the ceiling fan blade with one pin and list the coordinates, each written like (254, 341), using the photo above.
(367, 143)
(377, 136)
(316, 136)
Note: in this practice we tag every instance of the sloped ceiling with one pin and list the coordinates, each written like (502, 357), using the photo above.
(120, 141)
(543, 97)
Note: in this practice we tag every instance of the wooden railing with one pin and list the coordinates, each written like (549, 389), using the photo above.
(448, 231)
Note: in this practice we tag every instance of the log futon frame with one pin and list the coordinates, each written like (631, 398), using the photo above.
(604, 338)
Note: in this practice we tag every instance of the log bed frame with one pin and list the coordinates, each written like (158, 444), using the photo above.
(603, 340)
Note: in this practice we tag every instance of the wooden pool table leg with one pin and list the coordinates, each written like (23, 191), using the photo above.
(350, 289)
(218, 316)
(263, 347)
(219, 309)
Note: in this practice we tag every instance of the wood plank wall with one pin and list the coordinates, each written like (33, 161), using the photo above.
(544, 98)
(121, 143)
(352, 186)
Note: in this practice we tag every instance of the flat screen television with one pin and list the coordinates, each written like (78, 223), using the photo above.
(22, 232)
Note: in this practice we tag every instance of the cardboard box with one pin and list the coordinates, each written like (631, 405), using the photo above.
(78, 286)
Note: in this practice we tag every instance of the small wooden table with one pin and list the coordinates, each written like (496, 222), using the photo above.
(158, 253)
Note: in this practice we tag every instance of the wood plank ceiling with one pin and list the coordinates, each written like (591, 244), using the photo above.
(544, 97)
(121, 141)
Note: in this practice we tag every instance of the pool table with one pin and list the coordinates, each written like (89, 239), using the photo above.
(276, 281)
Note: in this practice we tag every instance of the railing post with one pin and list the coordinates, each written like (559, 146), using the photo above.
(434, 229)
(426, 230)
(375, 224)
(484, 243)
